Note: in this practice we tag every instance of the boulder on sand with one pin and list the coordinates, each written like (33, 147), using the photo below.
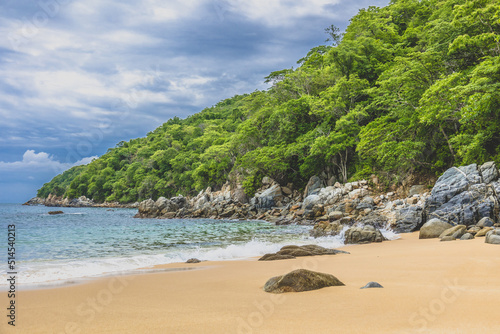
(300, 280)
(433, 229)
(363, 235)
(493, 237)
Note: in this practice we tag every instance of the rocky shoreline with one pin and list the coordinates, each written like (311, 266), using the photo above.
(463, 196)
(81, 202)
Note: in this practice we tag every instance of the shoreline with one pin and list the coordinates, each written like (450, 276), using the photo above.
(429, 286)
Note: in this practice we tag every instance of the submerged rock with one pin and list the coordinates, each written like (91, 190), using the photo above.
(55, 212)
(301, 280)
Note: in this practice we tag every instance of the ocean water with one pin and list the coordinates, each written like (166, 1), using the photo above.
(92, 242)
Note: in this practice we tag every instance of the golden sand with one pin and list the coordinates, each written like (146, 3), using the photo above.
(429, 287)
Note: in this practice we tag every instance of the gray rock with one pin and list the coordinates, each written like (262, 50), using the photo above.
(493, 237)
(301, 280)
(448, 238)
(310, 201)
(313, 186)
(459, 197)
(489, 172)
(370, 285)
(268, 198)
(485, 222)
(408, 219)
(467, 236)
(433, 229)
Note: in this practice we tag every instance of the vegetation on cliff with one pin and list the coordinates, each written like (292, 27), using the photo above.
(411, 87)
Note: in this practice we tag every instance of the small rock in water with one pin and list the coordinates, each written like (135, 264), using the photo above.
(372, 285)
(55, 212)
(193, 260)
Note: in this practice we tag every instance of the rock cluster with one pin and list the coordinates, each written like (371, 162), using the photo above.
(332, 210)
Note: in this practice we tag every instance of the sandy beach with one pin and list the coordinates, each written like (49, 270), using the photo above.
(429, 287)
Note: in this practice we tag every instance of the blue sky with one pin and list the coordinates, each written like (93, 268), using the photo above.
(77, 77)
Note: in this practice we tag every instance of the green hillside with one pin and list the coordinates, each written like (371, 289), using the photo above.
(413, 87)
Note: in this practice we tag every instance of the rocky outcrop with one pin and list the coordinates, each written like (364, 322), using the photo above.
(162, 207)
(81, 202)
(464, 195)
(433, 229)
(301, 280)
(292, 251)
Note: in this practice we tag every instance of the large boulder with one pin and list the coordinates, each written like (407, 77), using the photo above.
(301, 280)
(462, 197)
(489, 172)
(493, 237)
(363, 235)
(268, 198)
(433, 229)
(313, 186)
(310, 201)
(408, 219)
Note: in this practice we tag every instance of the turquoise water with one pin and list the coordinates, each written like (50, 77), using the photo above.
(90, 242)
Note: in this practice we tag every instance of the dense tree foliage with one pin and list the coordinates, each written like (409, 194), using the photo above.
(413, 87)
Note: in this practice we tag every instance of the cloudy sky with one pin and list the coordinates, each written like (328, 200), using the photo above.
(77, 77)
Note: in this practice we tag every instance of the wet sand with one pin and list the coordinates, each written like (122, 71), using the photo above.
(429, 287)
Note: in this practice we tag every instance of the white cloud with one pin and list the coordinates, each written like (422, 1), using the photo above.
(279, 12)
(38, 162)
